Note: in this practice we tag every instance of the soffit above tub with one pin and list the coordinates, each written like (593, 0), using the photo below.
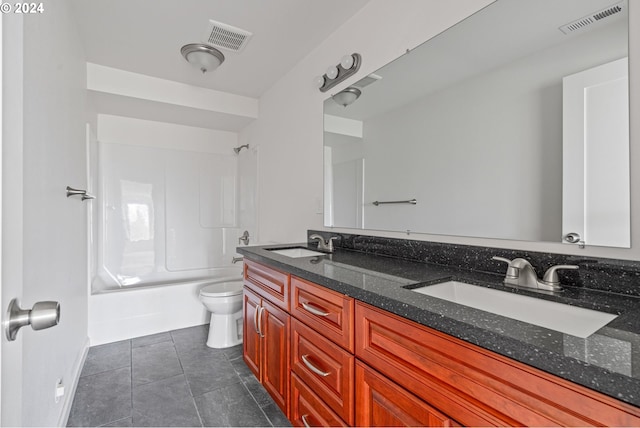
(123, 93)
(145, 37)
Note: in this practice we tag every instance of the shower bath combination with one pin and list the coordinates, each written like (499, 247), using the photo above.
(237, 149)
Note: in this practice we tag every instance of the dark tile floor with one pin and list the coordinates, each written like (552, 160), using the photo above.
(170, 379)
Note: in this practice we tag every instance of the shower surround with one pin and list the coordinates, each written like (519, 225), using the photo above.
(166, 221)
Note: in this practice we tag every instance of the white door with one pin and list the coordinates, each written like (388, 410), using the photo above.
(11, 213)
(44, 233)
(595, 193)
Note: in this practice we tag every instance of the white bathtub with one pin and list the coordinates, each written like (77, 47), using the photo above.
(150, 308)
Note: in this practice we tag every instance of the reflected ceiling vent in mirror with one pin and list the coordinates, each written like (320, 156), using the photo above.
(366, 81)
(593, 18)
(226, 36)
(335, 74)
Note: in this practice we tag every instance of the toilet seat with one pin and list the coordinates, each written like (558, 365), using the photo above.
(222, 289)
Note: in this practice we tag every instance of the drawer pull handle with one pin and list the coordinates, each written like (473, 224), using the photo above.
(255, 319)
(314, 311)
(304, 421)
(260, 322)
(313, 368)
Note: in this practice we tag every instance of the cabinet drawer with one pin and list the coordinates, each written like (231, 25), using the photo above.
(382, 403)
(474, 385)
(268, 282)
(325, 367)
(307, 409)
(324, 310)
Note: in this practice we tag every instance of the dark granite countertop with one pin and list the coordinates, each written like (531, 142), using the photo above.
(607, 361)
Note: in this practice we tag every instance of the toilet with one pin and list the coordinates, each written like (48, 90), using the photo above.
(224, 301)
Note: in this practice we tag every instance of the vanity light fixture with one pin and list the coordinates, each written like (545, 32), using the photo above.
(349, 64)
(204, 57)
(347, 96)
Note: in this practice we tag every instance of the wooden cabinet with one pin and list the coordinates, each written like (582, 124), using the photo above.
(300, 339)
(473, 385)
(266, 329)
(325, 368)
(382, 403)
(322, 358)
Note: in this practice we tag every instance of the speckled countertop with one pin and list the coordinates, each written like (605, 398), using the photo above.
(607, 361)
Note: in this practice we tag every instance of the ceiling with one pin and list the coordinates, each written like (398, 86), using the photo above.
(145, 36)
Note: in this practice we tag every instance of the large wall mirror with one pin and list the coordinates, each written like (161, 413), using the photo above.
(512, 124)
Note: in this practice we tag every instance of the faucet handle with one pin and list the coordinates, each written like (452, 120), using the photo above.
(244, 238)
(512, 271)
(551, 275)
(330, 243)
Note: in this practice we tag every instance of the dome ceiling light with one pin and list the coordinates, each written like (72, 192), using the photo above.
(204, 57)
(347, 96)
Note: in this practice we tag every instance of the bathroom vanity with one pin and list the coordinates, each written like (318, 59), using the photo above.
(343, 339)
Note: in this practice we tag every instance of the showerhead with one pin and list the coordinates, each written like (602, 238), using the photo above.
(237, 149)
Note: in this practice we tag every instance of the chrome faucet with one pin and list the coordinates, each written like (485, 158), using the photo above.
(521, 273)
(322, 244)
(235, 260)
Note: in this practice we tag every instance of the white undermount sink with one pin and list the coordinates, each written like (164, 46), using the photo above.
(567, 319)
(297, 252)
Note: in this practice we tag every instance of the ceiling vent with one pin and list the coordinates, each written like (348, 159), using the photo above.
(225, 36)
(366, 81)
(590, 19)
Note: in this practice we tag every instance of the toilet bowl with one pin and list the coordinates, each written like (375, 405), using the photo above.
(224, 301)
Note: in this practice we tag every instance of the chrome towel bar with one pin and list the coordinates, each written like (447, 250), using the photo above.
(410, 201)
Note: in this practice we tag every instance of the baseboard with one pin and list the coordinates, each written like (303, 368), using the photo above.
(70, 388)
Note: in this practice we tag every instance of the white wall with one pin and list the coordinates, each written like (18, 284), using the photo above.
(54, 226)
(290, 127)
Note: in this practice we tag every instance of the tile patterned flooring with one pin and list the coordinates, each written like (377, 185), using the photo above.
(170, 379)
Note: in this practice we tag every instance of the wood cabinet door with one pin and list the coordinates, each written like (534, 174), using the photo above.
(382, 403)
(251, 341)
(275, 326)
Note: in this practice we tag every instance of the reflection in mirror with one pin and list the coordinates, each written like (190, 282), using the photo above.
(513, 124)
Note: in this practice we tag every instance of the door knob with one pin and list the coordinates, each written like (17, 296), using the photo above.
(42, 315)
